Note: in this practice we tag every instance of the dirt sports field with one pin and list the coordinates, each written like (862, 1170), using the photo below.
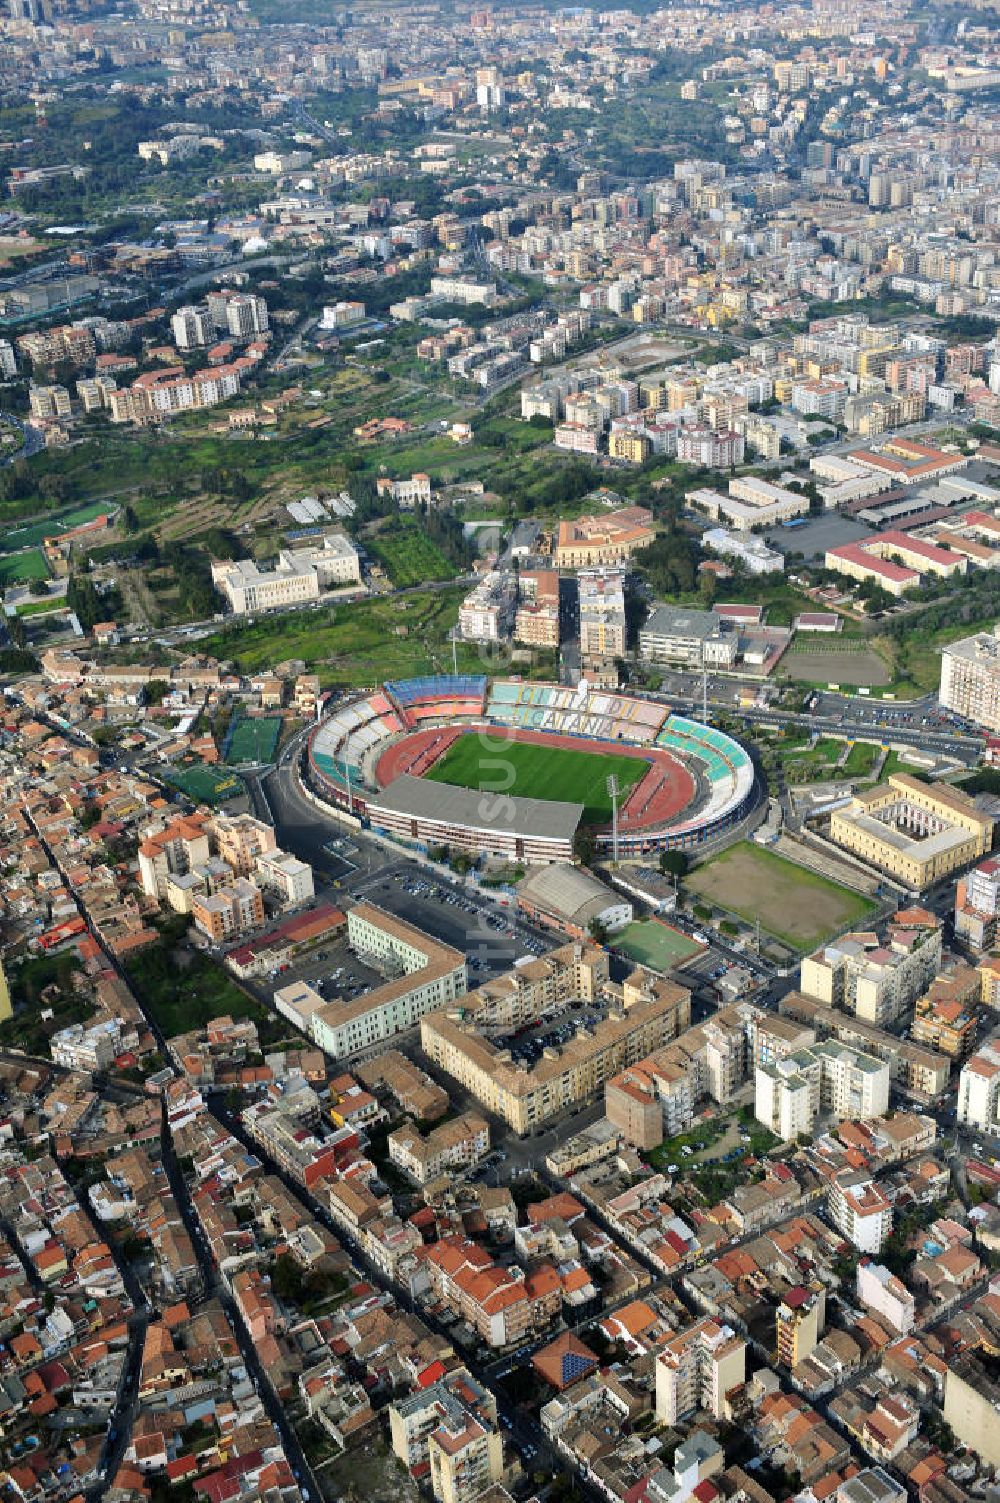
(864, 669)
(799, 907)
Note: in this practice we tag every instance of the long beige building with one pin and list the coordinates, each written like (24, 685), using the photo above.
(916, 832)
(650, 1014)
(422, 975)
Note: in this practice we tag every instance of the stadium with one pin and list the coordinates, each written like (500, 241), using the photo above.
(512, 769)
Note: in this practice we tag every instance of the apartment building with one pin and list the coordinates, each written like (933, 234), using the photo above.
(298, 576)
(579, 970)
(86, 1049)
(525, 1098)
(915, 832)
(156, 394)
(228, 913)
(192, 327)
(790, 1093)
(602, 614)
(799, 1322)
(536, 623)
(977, 905)
(449, 1427)
(288, 878)
(709, 449)
(587, 542)
(878, 980)
(65, 343)
(422, 975)
(171, 850)
(971, 1404)
(859, 1209)
(970, 678)
(946, 1017)
(979, 1090)
(240, 315)
(487, 612)
(503, 1305)
(49, 402)
(240, 840)
(885, 1294)
(452, 1145)
(825, 398)
(699, 1368)
(914, 1070)
(650, 1101)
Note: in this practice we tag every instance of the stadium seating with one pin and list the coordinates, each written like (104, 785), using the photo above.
(444, 696)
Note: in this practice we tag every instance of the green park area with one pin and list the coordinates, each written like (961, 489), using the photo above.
(204, 784)
(183, 990)
(409, 557)
(529, 771)
(253, 739)
(653, 943)
(828, 758)
(797, 906)
(361, 643)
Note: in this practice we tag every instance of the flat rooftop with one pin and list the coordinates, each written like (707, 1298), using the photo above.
(448, 804)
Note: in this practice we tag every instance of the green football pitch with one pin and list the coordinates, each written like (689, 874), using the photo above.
(527, 770)
(252, 739)
(204, 784)
(655, 944)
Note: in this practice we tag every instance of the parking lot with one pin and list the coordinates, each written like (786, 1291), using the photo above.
(335, 971)
(553, 1030)
(491, 937)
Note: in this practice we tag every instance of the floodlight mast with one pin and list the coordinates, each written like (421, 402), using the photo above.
(613, 791)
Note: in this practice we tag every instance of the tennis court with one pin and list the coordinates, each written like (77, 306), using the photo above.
(252, 740)
(204, 784)
(655, 944)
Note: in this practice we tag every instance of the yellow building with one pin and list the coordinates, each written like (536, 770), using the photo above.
(914, 831)
(799, 1323)
(6, 1010)
(625, 444)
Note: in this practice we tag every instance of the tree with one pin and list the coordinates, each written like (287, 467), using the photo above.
(583, 846)
(673, 863)
(598, 931)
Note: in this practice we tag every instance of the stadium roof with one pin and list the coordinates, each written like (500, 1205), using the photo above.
(567, 892)
(478, 810)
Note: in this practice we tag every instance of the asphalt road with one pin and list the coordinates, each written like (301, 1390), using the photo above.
(33, 439)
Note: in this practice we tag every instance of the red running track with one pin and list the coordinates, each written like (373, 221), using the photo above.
(664, 793)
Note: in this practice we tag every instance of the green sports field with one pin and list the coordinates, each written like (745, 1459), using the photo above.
(21, 567)
(652, 943)
(204, 784)
(253, 740)
(529, 771)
